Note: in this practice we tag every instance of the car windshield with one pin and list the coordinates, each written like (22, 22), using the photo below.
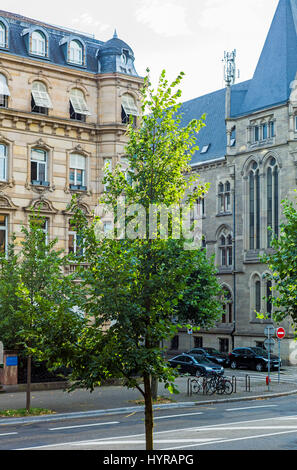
(212, 351)
(201, 359)
(260, 352)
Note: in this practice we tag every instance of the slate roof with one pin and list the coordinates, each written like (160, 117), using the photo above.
(17, 45)
(270, 85)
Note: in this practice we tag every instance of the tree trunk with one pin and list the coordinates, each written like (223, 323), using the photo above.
(154, 386)
(149, 421)
(28, 393)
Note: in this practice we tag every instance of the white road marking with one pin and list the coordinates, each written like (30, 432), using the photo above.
(83, 426)
(8, 433)
(250, 408)
(233, 440)
(177, 416)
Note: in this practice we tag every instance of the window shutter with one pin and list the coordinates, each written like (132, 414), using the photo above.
(129, 105)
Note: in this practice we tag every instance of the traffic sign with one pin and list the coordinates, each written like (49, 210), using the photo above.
(280, 333)
(269, 344)
(269, 331)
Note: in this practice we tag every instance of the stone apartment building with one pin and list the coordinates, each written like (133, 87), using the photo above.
(65, 98)
(248, 152)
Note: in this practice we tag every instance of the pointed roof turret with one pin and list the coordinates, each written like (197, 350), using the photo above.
(115, 34)
(277, 65)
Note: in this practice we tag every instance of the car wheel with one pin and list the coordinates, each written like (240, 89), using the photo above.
(259, 367)
(233, 365)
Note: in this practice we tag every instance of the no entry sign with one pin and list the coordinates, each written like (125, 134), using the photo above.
(280, 333)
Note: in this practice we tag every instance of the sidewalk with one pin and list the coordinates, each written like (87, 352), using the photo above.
(118, 397)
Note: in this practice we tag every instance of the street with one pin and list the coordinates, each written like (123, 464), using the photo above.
(250, 425)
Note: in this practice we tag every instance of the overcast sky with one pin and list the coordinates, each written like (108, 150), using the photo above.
(177, 35)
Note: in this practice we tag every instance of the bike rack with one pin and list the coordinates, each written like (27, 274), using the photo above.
(247, 383)
(234, 384)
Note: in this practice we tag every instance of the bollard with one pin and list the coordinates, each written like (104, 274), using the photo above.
(234, 384)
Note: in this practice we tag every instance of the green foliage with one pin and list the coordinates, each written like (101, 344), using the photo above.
(37, 314)
(282, 264)
(137, 285)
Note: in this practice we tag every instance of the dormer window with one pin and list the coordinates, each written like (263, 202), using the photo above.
(205, 148)
(38, 44)
(75, 53)
(3, 35)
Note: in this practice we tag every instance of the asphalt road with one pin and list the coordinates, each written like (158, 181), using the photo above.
(249, 425)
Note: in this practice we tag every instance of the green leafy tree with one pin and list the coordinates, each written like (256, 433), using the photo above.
(37, 314)
(137, 279)
(282, 264)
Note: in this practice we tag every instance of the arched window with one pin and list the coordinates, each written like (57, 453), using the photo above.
(227, 306)
(272, 177)
(269, 298)
(3, 35)
(224, 193)
(40, 100)
(4, 92)
(254, 207)
(129, 108)
(226, 249)
(78, 106)
(3, 162)
(77, 172)
(75, 52)
(38, 43)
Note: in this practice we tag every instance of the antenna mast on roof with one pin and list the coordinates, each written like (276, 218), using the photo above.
(229, 67)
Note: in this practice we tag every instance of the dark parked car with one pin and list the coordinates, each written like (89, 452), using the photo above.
(252, 358)
(212, 354)
(195, 365)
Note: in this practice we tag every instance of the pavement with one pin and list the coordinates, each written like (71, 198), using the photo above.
(113, 399)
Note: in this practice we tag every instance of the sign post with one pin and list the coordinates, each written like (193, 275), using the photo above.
(1, 353)
(190, 333)
(280, 333)
(269, 345)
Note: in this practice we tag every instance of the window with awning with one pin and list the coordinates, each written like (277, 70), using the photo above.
(129, 105)
(40, 97)
(78, 102)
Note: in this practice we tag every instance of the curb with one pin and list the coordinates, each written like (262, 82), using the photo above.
(135, 409)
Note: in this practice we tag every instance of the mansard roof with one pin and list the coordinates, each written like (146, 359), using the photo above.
(270, 85)
(57, 37)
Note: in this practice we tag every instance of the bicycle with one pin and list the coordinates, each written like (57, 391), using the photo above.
(217, 384)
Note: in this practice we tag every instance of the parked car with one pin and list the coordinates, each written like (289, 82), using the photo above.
(252, 358)
(212, 354)
(195, 365)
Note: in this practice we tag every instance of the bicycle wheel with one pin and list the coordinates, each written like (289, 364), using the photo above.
(210, 387)
(228, 388)
(196, 386)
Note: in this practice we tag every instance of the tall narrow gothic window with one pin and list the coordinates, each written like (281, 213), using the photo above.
(226, 250)
(227, 306)
(272, 201)
(224, 192)
(254, 207)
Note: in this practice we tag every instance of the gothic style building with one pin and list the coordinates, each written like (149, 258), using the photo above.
(248, 152)
(65, 100)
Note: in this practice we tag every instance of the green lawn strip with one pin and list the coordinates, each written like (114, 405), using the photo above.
(22, 412)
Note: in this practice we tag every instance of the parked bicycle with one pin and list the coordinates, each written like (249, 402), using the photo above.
(217, 384)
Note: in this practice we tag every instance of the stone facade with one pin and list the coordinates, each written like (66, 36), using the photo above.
(99, 136)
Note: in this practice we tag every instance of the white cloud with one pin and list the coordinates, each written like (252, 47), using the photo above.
(87, 21)
(164, 17)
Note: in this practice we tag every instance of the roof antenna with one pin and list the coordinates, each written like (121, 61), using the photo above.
(229, 67)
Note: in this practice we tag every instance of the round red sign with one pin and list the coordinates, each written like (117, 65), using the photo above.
(280, 333)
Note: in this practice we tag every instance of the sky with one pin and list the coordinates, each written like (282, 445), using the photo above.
(176, 35)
